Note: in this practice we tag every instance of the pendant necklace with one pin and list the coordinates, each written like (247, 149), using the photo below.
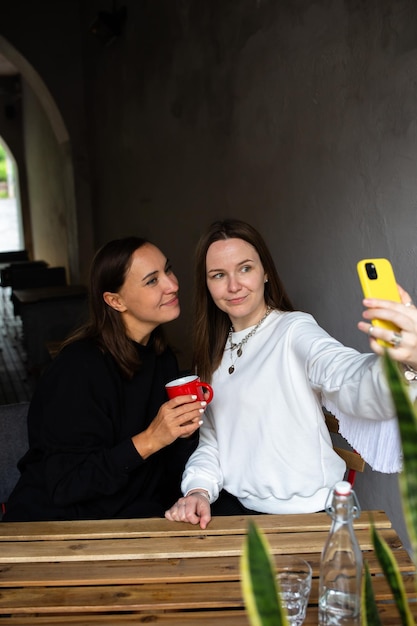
(238, 346)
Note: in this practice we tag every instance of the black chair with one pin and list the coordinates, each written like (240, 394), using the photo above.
(7, 273)
(354, 461)
(37, 276)
(14, 255)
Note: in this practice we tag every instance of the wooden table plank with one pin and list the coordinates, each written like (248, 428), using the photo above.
(189, 618)
(125, 572)
(173, 596)
(148, 548)
(389, 617)
(141, 597)
(130, 528)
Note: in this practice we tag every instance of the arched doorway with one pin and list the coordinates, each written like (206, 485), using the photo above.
(52, 236)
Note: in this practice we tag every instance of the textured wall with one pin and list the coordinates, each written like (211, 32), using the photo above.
(298, 116)
(46, 186)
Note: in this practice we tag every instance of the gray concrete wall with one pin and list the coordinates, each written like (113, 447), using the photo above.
(299, 117)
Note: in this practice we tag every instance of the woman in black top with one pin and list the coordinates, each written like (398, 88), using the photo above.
(104, 441)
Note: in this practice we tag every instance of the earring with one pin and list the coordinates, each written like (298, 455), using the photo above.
(266, 280)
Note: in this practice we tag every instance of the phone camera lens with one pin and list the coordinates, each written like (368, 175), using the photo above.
(371, 271)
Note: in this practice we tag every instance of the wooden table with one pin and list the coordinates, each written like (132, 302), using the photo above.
(151, 571)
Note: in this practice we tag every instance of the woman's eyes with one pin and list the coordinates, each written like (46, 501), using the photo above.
(243, 270)
(154, 280)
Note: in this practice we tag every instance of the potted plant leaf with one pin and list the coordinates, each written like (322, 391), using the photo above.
(407, 421)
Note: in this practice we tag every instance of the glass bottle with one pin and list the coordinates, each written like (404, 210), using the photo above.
(341, 561)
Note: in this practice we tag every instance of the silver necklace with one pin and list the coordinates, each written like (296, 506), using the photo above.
(238, 346)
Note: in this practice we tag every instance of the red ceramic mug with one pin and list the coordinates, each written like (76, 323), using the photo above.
(189, 385)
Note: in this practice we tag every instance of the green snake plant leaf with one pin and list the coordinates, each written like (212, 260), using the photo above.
(407, 420)
(393, 576)
(259, 586)
(370, 615)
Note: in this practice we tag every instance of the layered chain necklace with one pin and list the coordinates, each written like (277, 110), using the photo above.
(238, 346)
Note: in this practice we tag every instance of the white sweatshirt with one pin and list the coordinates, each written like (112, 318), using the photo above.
(264, 438)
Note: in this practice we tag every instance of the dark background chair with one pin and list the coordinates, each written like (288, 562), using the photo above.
(33, 276)
(7, 271)
(14, 255)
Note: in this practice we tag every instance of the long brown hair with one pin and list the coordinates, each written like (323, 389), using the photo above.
(105, 325)
(211, 325)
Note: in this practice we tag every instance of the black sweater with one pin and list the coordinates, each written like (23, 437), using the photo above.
(81, 462)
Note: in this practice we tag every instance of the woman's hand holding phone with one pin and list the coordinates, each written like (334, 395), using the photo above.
(391, 317)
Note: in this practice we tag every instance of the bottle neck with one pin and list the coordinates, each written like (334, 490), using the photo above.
(343, 508)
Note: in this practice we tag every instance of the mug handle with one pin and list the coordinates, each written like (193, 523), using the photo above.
(207, 388)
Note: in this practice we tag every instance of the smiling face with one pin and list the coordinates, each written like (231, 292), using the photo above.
(235, 278)
(149, 294)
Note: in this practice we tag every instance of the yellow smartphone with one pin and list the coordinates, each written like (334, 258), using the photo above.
(378, 281)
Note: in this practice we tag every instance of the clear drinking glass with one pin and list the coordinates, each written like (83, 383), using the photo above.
(294, 581)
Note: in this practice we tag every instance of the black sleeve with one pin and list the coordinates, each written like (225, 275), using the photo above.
(73, 424)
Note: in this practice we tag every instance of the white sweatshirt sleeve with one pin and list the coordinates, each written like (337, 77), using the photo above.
(203, 467)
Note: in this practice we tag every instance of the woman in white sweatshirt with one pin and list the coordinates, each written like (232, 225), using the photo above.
(264, 445)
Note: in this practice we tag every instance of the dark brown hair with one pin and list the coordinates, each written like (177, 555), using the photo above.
(105, 325)
(211, 325)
